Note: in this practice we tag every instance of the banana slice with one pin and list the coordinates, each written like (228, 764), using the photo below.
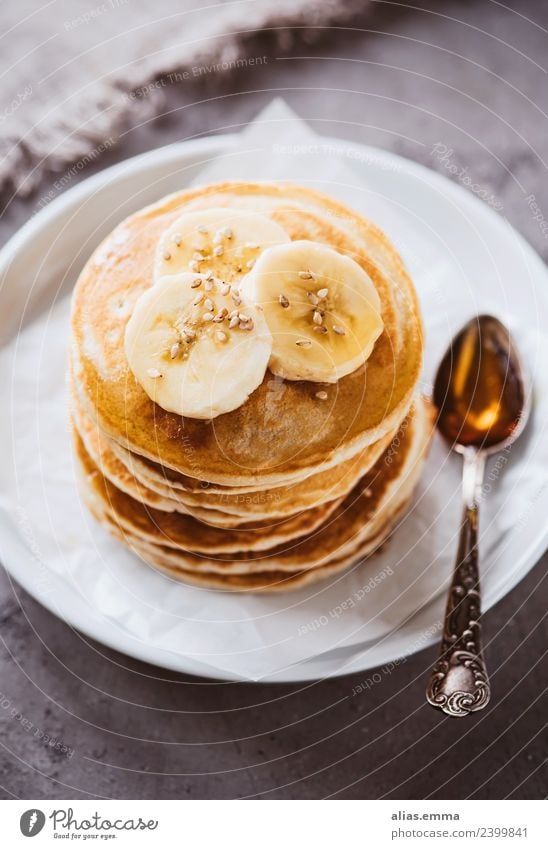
(222, 242)
(321, 307)
(196, 347)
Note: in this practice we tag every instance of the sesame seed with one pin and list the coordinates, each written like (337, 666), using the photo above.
(320, 329)
(201, 228)
(225, 288)
(208, 304)
(188, 334)
(283, 301)
(303, 343)
(250, 263)
(198, 299)
(209, 275)
(305, 275)
(220, 336)
(153, 372)
(208, 316)
(196, 283)
(243, 317)
(323, 293)
(208, 284)
(339, 330)
(218, 251)
(167, 256)
(193, 265)
(252, 246)
(317, 317)
(174, 350)
(234, 322)
(226, 231)
(220, 315)
(236, 299)
(247, 324)
(321, 395)
(314, 300)
(177, 239)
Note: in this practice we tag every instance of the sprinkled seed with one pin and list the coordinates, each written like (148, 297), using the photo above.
(321, 395)
(317, 317)
(220, 315)
(198, 299)
(250, 263)
(303, 343)
(208, 285)
(167, 256)
(209, 275)
(234, 322)
(339, 330)
(196, 283)
(305, 275)
(201, 228)
(283, 301)
(208, 316)
(208, 304)
(220, 336)
(193, 265)
(153, 372)
(247, 324)
(320, 329)
(188, 334)
(225, 288)
(323, 293)
(177, 239)
(253, 246)
(174, 350)
(218, 251)
(243, 317)
(226, 231)
(314, 300)
(236, 299)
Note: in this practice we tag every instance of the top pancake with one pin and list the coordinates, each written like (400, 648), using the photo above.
(282, 433)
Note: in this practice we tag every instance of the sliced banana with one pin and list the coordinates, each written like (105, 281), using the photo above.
(197, 351)
(222, 242)
(322, 309)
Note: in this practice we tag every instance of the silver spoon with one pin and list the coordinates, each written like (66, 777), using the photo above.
(483, 407)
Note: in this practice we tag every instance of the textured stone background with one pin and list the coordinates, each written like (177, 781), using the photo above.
(471, 75)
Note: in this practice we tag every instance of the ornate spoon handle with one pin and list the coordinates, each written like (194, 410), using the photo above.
(459, 684)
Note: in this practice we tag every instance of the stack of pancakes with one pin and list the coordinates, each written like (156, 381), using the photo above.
(286, 489)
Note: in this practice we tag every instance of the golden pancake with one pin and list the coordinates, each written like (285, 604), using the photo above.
(282, 433)
(264, 582)
(224, 510)
(379, 494)
(184, 532)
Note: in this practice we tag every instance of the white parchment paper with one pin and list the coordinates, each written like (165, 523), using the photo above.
(252, 636)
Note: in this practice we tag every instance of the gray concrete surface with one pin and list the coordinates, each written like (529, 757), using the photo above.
(90, 722)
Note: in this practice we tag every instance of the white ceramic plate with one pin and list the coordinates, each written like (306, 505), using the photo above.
(480, 263)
